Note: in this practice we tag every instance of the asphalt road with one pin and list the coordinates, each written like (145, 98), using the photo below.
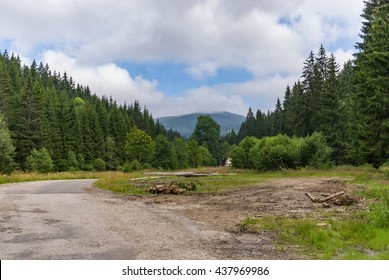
(70, 219)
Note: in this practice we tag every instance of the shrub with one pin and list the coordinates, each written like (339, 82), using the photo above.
(278, 152)
(99, 164)
(72, 163)
(39, 161)
(315, 152)
(88, 167)
(240, 155)
(132, 166)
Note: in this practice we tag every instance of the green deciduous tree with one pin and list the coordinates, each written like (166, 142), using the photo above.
(163, 155)
(208, 131)
(139, 146)
(39, 161)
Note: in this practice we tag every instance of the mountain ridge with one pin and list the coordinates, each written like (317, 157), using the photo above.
(185, 124)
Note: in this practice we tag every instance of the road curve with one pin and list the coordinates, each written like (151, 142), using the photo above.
(70, 219)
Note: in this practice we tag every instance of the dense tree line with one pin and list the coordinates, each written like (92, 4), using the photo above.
(48, 123)
(349, 106)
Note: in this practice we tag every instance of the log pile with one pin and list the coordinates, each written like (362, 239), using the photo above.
(165, 189)
(339, 198)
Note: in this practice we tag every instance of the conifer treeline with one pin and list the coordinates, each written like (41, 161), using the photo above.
(45, 109)
(349, 106)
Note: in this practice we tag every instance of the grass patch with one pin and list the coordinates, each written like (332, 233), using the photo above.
(356, 238)
(120, 183)
(365, 235)
(228, 179)
(30, 176)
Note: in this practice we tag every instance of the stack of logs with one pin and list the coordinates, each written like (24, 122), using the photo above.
(159, 189)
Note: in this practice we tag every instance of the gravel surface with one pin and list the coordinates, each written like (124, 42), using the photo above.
(72, 220)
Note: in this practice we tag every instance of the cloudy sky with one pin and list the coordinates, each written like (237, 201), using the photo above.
(181, 56)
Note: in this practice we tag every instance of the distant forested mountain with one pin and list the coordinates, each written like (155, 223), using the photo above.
(185, 124)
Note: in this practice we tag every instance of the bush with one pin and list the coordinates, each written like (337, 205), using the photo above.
(72, 163)
(99, 164)
(88, 167)
(278, 152)
(240, 155)
(39, 161)
(132, 166)
(315, 152)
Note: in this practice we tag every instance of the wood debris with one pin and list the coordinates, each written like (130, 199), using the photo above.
(181, 174)
(324, 199)
(164, 189)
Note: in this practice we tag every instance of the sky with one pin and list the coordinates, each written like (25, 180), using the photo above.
(181, 56)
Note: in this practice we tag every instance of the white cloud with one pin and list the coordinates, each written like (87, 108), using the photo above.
(106, 79)
(268, 39)
(111, 80)
(342, 56)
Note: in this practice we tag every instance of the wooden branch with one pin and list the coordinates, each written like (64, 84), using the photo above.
(331, 196)
(313, 199)
(181, 174)
(325, 194)
(321, 200)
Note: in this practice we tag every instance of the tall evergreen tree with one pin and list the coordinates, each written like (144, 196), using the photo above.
(27, 127)
(331, 121)
(7, 149)
(277, 119)
(372, 83)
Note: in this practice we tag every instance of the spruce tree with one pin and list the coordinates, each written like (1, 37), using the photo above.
(27, 127)
(331, 121)
(372, 84)
(7, 149)
(277, 119)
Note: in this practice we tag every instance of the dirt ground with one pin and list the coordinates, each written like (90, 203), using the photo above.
(219, 214)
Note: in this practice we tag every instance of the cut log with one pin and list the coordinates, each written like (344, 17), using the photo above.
(325, 194)
(321, 200)
(331, 196)
(313, 199)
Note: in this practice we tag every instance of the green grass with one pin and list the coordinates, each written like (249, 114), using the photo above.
(363, 235)
(25, 177)
(120, 183)
(355, 238)
(228, 179)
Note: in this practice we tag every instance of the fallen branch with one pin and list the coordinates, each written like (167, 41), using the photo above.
(145, 178)
(181, 174)
(331, 196)
(313, 199)
(321, 200)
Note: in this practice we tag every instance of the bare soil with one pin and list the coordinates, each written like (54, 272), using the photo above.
(219, 214)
